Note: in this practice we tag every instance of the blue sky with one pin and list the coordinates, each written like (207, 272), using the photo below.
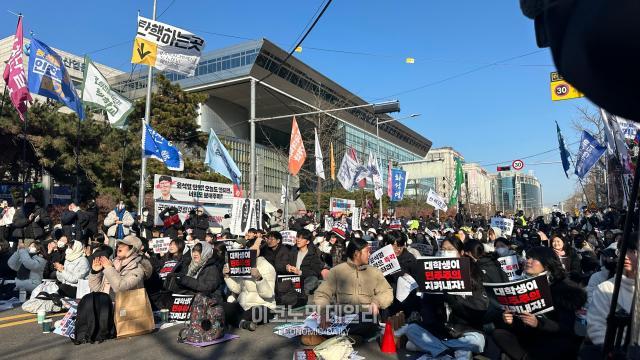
(498, 114)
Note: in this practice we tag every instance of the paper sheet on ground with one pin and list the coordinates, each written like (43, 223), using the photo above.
(405, 285)
(226, 337)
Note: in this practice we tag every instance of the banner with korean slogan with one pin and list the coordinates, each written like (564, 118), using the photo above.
(398, 184)
(529, 295)
(510, 266)
(506, 225)
(356, 216)
(436, 201)
(160, 245)
(288, 237)
(437, 275)
(385, 260)
(166, 47)
(241, 262)
(97, 93)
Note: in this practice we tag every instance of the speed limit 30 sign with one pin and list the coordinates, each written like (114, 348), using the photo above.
(517, 164)
(561, 89)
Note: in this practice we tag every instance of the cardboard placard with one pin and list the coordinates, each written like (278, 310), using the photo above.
(355, 218)
(385, 260)
(67, 324)
(295, 280)
(246, 214)
(510, 266)
(160, 245)
(328, 223)
(240, 262)
(529, 295)
(425, 249)
(505, 225)
(180, 307)
(288, 237)
(436, 275)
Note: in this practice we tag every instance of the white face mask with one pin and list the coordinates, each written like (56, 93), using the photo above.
(502, 251)
(145, 213)
(448, 253)
(61, 244)
(32, 250)
(380, 238)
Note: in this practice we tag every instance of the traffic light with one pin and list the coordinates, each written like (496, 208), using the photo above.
(504, 168)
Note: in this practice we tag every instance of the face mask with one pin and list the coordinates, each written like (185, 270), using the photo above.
(145, 213)
(32, 250)
(380, 238)
(61, 244)
(502, 251)
(448, 253)
(357, 236)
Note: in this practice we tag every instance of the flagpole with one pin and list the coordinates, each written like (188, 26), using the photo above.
(286, 204)
(147, 115)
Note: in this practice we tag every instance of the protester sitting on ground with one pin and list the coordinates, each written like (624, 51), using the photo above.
(398, 242)
(29, 263)
(354, 283)
(256, 295)
(457, 332)
(203, 275)
(338, 250)
(608, 263)
(119, 222)
(6, 272)
(124, 273)
(276, 253)
(601, 302)
(56, 249)
(76, 267)
(568, 257)
(550, 335)
(305, 261)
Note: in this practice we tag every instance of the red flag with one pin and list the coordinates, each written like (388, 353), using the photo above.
(297, 154)
(14, 75)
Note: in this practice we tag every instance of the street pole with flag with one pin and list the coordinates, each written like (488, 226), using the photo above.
(218, 159)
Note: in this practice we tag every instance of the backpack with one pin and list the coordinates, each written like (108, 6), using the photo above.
(206, 321)
(94, 319)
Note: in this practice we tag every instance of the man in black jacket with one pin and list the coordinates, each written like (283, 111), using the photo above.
(29, 221)
(305, 261)
(197, 224)
(276, 253)
(74, 223)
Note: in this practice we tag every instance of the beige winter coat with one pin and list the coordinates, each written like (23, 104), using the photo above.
(127, 274)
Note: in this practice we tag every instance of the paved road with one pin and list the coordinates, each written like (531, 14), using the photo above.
(21, 338)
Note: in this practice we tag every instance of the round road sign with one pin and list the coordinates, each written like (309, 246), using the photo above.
(517, 164)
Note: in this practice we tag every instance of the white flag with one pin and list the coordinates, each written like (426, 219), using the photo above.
(376, 177)
(283, 195)
(97, 93)
(318, 154)
(436, 201)
(348, 171)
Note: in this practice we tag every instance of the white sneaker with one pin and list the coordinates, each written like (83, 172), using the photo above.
(463, 355)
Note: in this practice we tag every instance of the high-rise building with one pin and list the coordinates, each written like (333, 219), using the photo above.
(513, 191)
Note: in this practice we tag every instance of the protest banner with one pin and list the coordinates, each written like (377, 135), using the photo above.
(425, 249)
(505, 225)
(385, 260)
(240, 262)
(160, 245)
(510, 266)
(355, 218)
(288, 237)
(436, 201)
(374, 245)
(67, 326)
(246, 214)
(295, 281)
(338, 205)
(231, 244)
(180, 307)
(328, 223)
(167, 188)
(436, 275)
(215, 212)
(529, 295)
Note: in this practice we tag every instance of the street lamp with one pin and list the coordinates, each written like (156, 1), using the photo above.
(378, 122)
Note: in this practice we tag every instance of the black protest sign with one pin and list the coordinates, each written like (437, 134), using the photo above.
(529, 295)
(423, 249)
(240, 262)
(437, 275)
(295, 281)
(180, 307)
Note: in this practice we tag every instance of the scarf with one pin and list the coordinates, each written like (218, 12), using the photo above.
(120, 228)
(205, 255)
(74, 252)
(121, 266)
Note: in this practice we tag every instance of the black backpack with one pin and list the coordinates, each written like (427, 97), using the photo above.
(94, 320)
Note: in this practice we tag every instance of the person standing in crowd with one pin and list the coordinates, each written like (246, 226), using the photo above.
(550, 335)
(608, 263)
(197, 224)
(92, 220)
(146, 225)
(171, 222)
(276, 253)
(305, 261)
(76, 267)
(119, 222)
(74, 222)
(29, 221)
(29, 264)
(124, 273)
(277, 221)
(6, 219)
(203, 274)
(354, 282)
(256, 295)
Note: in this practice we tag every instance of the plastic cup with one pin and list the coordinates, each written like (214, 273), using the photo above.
(164, 315)
(46, 326)
(41, 315)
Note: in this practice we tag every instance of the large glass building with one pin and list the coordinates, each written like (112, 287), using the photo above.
(515, 191)
(226, 76)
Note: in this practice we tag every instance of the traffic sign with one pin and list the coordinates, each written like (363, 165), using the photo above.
(504, 168)
(517, 164)
(562, 90)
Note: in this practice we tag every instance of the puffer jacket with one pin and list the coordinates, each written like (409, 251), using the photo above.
(74, 271)
(111, 281)
(348, 284)
(208, 280)
(35, 265)
(255, 293)
(110, 221)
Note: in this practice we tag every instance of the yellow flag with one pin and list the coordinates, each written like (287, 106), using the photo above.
(333, 163)
(144, 52)
(410, 60)
(299, 49)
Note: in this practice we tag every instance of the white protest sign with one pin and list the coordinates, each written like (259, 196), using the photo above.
(406, 284)
(436, 201)
(506, 225)
(510, 266)
(82, 289)
(355, 218)
(385, 260)
(328, 223)
(246, 214)
(288, 237)
(160, 245)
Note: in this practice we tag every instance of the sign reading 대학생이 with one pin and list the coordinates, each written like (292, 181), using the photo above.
(160, 245)
(510, 266)
(240, 262)
(385, 260)
(529, 295)
(505, 225)
(295, 281)
(288, 237)
(437, 275)
(180, 307)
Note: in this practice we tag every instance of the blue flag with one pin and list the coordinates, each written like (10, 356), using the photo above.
(157, 147)
(589, 153)
(219, 160)
(564, 154)
(398, 184)
(48, 77)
